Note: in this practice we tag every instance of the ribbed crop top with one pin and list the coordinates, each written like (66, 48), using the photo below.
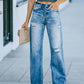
(47, 0)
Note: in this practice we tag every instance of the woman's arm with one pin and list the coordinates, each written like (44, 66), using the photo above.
(29, 11)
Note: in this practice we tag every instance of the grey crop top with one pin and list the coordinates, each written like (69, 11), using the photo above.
(47, 0)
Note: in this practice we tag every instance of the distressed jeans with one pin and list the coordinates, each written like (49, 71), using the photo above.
(41, 17)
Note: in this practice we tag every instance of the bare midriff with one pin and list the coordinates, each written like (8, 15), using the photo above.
(45, 2)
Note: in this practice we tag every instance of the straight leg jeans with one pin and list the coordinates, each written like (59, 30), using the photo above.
(41, 17)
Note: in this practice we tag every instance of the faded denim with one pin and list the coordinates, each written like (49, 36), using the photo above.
(41, 17)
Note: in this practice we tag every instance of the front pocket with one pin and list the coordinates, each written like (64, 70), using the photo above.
(37, 6)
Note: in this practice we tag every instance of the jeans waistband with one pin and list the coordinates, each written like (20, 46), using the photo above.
(43, 6)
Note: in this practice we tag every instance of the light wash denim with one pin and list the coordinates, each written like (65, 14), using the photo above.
(41, 17)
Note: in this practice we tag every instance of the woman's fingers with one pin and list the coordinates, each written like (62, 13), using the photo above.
(23, 26)
(25, 29)
(53, 6)
(50, 5)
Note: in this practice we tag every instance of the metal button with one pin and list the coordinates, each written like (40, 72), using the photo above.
(45, 5)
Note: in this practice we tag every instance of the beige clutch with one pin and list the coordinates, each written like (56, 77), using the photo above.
(24, 36)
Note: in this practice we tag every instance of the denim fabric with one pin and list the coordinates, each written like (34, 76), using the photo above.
(41, 17)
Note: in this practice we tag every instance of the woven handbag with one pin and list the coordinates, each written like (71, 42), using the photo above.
(24, 36)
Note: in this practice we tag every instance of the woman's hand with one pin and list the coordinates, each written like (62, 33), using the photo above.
(54, 6)
(29, 11)
(25, 25)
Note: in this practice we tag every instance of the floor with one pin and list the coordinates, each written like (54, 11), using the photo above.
(14, 68)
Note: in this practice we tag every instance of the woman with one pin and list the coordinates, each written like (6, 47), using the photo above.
(45, 12)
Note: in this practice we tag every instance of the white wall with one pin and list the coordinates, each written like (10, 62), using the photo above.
(1, 23)
(3, 50)
(6, 49)
(1, 26)
(19, 16)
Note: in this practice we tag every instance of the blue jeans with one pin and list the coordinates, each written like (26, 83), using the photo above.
(42, 16)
